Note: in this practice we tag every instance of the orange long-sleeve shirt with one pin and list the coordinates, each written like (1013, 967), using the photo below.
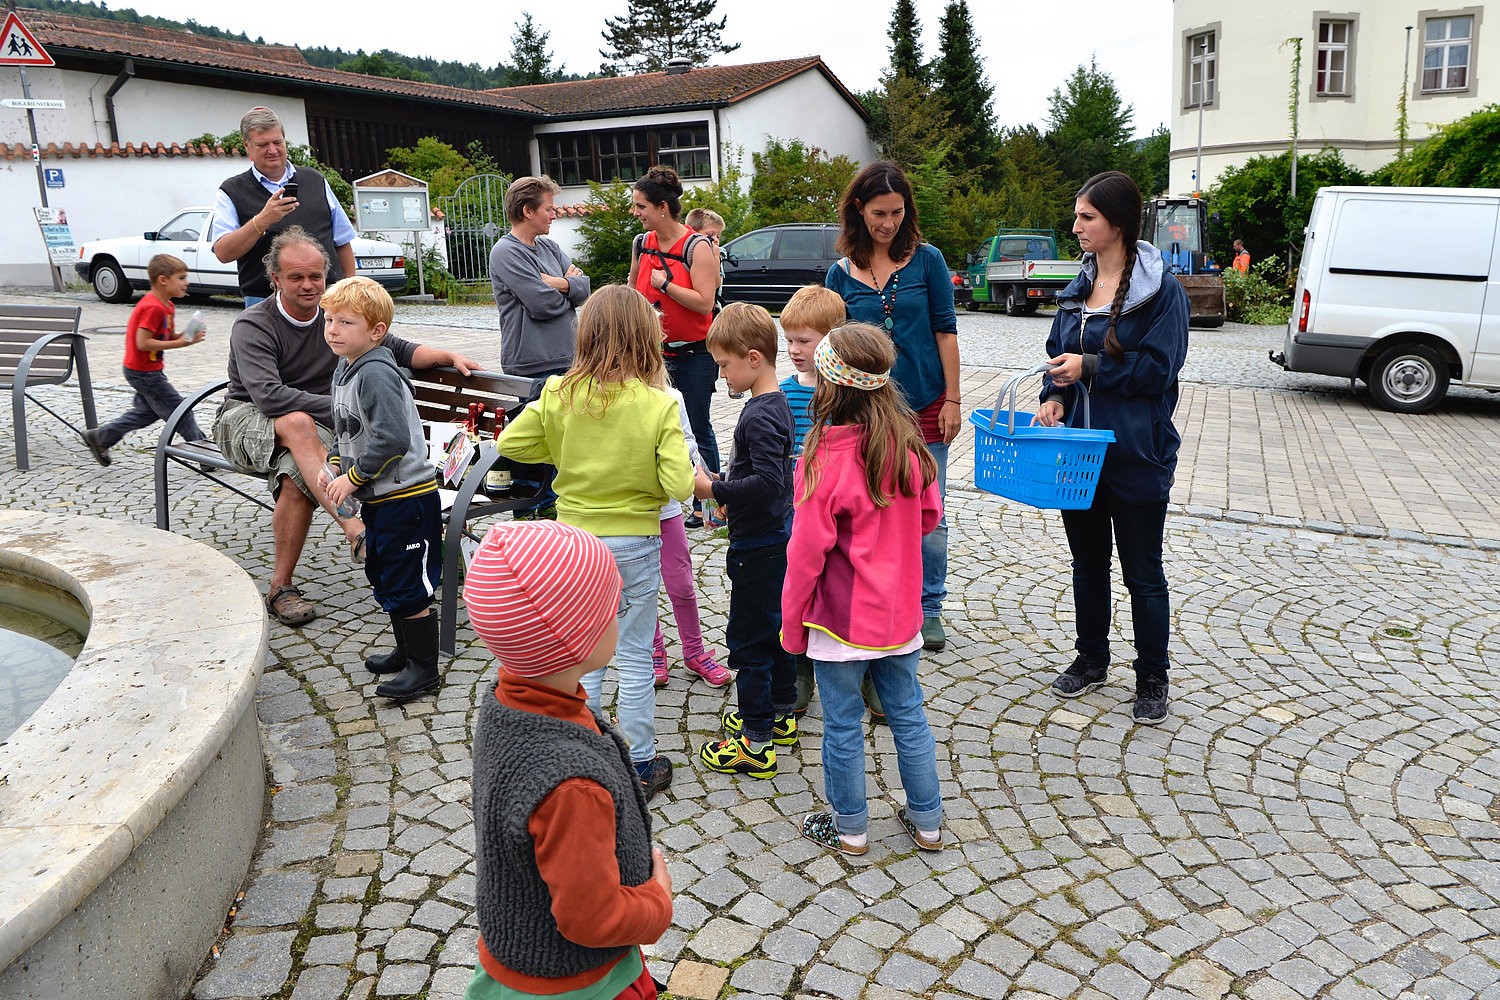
(573, 829)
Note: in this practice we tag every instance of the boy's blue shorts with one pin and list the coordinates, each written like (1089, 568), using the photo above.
(404, 552)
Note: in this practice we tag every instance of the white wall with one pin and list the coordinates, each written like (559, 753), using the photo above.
(146, 111)
(806, 107)
(104, 197)
(1250, 117)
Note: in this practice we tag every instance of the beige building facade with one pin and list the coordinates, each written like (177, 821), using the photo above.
(1232, 63)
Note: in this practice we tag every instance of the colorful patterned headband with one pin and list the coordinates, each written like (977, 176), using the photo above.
(834, 369)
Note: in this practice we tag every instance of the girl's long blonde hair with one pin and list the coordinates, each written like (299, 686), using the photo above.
(889, 425)
(619, 338)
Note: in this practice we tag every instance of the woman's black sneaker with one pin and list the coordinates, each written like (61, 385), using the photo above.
(1150, 700)
(1080, 678)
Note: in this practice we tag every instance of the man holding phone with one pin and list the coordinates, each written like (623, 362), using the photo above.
(252, 207)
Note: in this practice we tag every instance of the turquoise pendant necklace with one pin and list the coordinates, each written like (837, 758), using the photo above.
(888, 304)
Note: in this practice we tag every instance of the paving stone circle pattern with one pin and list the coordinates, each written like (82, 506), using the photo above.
(1317, 818)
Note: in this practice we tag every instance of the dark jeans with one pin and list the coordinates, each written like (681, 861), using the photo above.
(1137, 530)
(693, 373)
(765, 674)
(155, 399)
(539, 476)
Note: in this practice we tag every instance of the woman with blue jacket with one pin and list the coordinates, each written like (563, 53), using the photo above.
(1120, 336)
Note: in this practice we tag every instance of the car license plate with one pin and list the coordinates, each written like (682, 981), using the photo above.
(371, 262)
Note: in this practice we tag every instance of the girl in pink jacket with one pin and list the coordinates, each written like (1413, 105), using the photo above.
(866, 493)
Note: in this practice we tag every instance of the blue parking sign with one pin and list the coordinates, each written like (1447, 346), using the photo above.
(54, 176)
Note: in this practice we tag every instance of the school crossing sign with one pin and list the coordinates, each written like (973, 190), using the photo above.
(19, 47)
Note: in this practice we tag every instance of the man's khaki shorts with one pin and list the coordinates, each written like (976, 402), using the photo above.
(247, 438)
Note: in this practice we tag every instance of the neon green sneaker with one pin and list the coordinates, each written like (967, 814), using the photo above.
(734, 756)
(783, 729)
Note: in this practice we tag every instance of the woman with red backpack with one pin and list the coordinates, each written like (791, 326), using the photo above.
(677, 270)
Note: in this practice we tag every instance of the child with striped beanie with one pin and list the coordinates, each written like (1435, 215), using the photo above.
(559, 810)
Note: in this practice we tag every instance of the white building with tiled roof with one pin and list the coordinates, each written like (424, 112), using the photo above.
(135, 94)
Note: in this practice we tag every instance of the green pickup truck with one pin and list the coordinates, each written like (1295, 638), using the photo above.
(1019, 269)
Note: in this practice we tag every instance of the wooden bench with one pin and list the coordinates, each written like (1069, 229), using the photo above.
(443, 396)
(41, 345)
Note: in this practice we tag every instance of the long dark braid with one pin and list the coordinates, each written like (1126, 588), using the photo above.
(1117, 198)
(1111, 343)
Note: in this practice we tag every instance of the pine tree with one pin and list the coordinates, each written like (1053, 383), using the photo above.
(959, 74)
(653, 31)
(906, 42)
(1088, 125)
(531, 61)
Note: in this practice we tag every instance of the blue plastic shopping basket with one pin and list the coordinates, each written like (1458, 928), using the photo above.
(1053, 468)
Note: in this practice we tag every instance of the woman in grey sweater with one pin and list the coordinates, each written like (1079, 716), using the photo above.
(538, 292)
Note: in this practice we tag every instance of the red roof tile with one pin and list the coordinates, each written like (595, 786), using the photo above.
(52, 151)
(59, 33)
(699, 86)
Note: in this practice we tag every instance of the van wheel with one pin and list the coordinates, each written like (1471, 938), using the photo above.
(1013, 302)
(1409, 378)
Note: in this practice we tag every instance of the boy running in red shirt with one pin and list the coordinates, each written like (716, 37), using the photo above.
(150, 331)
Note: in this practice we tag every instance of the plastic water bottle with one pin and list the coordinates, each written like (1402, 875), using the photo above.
(350, 506)
(197, 327)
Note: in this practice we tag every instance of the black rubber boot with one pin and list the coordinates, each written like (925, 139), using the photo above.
(420, 675)
(395, 660)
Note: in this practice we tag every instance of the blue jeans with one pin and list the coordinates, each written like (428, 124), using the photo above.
(935, 547)
(895, 680)
(254, 300)
(639, 560)
(1137, 530)
(765, 674)
(155, 399)
(693, 373)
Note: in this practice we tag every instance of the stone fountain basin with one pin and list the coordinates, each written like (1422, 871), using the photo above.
(132, 799)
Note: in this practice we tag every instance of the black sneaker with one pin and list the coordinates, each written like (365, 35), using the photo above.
(693, 520)
(655, 774)
(1150, 700)
(1080, 678)
(100, 453)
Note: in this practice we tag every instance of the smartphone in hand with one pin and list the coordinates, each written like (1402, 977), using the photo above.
(289, 190)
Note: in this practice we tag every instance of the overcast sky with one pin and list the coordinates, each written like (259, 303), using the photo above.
(1028, 48)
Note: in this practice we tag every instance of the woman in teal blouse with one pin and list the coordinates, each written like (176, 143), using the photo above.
(890, 278)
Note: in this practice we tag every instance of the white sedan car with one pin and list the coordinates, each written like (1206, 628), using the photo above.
(117, 267)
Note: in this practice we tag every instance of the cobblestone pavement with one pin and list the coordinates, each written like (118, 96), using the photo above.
(1316, 819)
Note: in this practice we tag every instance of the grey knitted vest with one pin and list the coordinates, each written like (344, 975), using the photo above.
(519, 758)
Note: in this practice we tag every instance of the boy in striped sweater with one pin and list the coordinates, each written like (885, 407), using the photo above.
(812, 311)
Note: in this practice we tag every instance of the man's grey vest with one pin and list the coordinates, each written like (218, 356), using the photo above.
(313, 213)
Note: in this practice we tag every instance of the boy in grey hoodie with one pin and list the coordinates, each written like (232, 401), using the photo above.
(381, 454)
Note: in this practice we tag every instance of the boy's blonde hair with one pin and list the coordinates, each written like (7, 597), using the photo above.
(813, 307)
(619, 338)
(164, 265)
(742, 328)
(698, 218)
(363, 297)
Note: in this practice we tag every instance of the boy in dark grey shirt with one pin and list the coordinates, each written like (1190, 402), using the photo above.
(381, 455)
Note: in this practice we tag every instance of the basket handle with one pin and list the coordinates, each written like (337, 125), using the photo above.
(1014, 383)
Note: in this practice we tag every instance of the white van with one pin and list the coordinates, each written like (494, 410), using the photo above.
(1399, 287)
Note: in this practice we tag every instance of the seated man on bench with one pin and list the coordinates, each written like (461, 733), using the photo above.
(276, 420)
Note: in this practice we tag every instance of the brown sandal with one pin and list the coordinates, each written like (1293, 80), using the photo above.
(287, 605)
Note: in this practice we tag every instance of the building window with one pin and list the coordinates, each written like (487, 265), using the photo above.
(1203, 69)
(1447, 43)
(610, 155)
(1332, 77)
(685, 150)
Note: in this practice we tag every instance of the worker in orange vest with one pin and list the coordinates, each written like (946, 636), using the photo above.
(1241, 256)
